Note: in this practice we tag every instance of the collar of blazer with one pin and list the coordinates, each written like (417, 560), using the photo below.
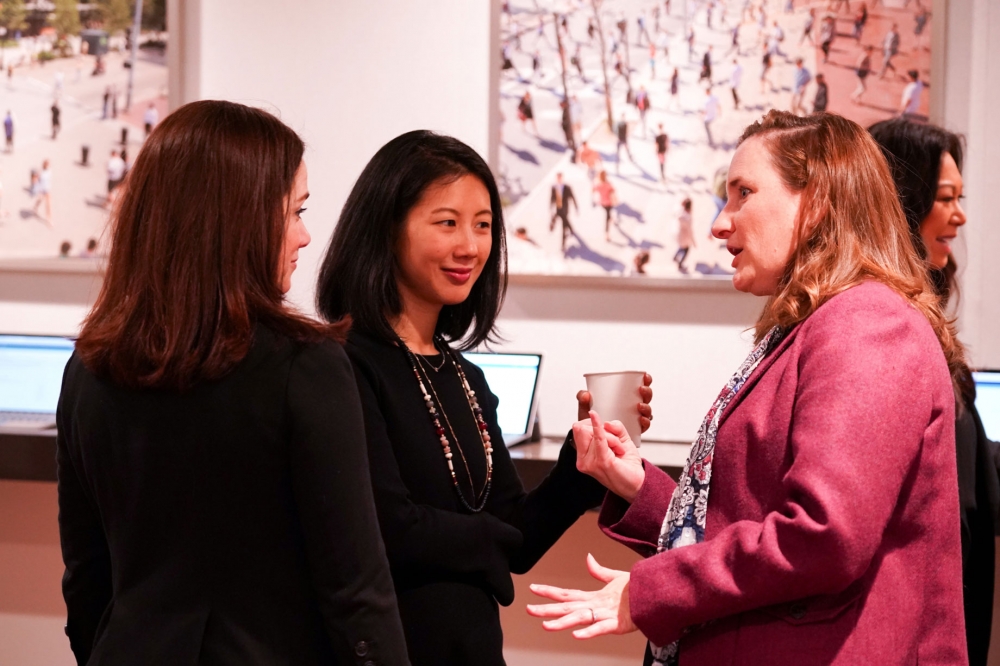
(765, 364)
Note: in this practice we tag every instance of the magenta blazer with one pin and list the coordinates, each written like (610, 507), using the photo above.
(833, 532)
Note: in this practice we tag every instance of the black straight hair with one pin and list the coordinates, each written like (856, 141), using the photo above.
(359, 274)
(913, 151)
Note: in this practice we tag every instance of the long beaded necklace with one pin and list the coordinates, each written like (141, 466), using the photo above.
(434, 409)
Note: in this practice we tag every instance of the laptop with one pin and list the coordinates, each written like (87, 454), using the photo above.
(513, 378)
(988, 401)
(31, 371)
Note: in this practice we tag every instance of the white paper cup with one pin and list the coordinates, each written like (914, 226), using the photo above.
(615, 396)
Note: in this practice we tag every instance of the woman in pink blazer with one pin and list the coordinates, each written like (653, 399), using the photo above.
(816, 521)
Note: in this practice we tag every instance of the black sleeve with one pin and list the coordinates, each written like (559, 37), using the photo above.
(424, 538)
(544, 514)
(86, 583)
(333, 495)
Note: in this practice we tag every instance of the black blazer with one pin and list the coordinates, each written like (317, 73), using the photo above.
(566, 199)
(229, 524)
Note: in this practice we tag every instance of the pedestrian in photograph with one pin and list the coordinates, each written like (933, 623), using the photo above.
(685, 235)
(151, 117)
(765, 70)
(56, 119)
(607, 197)
(560, 199)
(800, 80)
(807, 28)
(621, 132)
(116, 173)
(114, 102)
(652, 60)
(536, 65)
(8, 131)
(639, 262)
(525, 113)
(591, 159)
(827, 32)
(735, 77)
(576, 115)
(909, 105)
(920, 23)
(690, 43)
(576, 60)
(106, 108)
(709, 112)
(591, 31)
(64, 249)
(890, 48)
(860, 19)
(662, 145)
(567, 127)
(822, 97)
(642, 103)
(90, 251)
(675, 88)
(43, 193)
(735, 44)
(706, 67)
(862, 69)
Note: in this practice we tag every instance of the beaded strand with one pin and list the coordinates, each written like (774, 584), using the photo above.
(477, 413)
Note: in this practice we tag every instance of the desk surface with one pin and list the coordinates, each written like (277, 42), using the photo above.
(29, 455)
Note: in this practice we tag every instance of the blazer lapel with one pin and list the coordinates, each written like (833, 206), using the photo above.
(758, 373)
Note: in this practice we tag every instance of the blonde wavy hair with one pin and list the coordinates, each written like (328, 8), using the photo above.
(851, 227)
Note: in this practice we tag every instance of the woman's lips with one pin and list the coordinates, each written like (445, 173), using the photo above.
(735, 251)
(458, 275)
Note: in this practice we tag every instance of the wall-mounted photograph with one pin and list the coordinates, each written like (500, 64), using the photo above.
(619, 117)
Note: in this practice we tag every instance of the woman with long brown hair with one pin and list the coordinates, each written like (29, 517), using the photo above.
(214, 497)
(815, 521)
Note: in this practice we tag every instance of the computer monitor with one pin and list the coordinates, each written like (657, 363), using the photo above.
(513, 378)
(988, 401)
(31, 371)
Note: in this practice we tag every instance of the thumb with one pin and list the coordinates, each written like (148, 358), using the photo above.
(602, 574)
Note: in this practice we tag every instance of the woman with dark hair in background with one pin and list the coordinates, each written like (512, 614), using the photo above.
(215, 505)
(926, 165)
(418, 262)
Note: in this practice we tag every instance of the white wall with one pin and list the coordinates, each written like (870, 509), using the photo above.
(348, 76)
(971, 94)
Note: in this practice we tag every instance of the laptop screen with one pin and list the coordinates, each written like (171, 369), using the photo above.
(988, 401)
(513, 378)
(31, 370)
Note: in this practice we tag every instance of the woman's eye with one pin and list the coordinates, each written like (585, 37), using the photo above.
(484, 225)
(447, 223)
(744, 191)
(300, 211)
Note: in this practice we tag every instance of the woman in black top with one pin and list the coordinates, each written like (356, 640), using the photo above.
(926, 163)
(214, 496)
(418, 261)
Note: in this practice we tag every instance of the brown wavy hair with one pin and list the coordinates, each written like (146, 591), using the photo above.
(851, 227)
(195, 255)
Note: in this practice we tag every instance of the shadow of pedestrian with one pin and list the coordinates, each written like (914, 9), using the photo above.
(642, 245)
(583, 251)
(626, 210)
(523, 155)
(552, 145)
(714, 269)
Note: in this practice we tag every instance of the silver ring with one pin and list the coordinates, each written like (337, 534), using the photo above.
(593, 616)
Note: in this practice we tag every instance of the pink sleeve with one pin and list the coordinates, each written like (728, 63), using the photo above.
(637, 525)
(863, 409)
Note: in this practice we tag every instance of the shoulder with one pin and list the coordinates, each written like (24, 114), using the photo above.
(873, 320)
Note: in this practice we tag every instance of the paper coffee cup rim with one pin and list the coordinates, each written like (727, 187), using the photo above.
(618, 372)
